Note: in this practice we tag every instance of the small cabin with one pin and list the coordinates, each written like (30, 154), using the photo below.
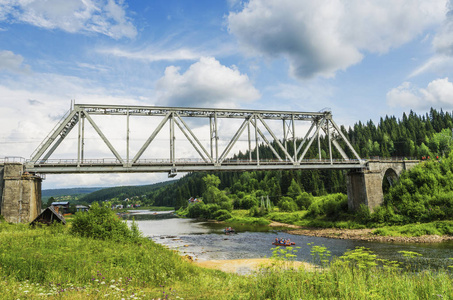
(48, 216)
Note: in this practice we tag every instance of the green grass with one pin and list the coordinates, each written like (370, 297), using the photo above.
(240, 216)
(50, 263)
(417, 229)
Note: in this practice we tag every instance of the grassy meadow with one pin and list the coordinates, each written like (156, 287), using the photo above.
(54, 263)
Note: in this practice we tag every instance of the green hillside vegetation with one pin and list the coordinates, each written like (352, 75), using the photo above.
(122, 192)
(69, 191)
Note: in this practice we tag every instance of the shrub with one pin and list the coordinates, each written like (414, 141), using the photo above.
(256, 211)
(304, 200)
(100, 222)
(287, 204)
(222, 215)
(248, 202)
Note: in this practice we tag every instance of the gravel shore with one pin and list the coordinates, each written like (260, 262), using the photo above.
(360, 234)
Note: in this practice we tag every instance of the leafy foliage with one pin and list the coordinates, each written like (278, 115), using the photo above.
(423, 194)
(100, 222)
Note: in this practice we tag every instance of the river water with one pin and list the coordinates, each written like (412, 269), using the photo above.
(206, 241)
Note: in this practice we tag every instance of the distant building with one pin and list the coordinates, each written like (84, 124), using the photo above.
(193, 200)
(61, 207)
(82, 208)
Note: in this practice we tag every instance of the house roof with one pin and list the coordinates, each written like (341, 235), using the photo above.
(60, 203)
(48, 216)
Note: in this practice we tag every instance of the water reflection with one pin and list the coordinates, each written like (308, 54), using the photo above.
(206, 241)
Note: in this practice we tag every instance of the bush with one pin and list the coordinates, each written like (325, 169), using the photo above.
(304, 200)
(222, 215)
(287, 204)
(248, 202)
(100, 222)
(256, 211)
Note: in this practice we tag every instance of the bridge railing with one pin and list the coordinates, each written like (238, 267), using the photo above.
(394, 158)
(190, 161)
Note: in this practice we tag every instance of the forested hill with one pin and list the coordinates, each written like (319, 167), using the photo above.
(68, 191)
(122, 192)
(411, 136)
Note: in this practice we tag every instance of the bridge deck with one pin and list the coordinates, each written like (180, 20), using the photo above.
(183, 165)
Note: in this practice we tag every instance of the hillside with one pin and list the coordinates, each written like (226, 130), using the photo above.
(68, 191)
(122, 192)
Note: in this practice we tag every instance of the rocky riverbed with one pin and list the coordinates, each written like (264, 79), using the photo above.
(359, 234)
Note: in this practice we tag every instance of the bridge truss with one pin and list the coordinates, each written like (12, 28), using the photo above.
(289, 149)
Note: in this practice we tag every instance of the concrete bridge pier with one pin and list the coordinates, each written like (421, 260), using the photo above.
(365, 186)
(20, 193)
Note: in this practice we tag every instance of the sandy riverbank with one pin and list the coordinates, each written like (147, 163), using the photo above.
(359, 234)
(247, 266)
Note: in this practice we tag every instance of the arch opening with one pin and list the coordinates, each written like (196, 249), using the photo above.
(389, 179)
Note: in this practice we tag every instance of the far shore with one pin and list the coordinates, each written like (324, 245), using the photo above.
(359, 234)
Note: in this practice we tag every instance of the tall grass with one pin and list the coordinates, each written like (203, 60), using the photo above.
(51, 263)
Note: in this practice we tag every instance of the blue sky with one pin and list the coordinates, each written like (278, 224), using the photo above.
(362, 59)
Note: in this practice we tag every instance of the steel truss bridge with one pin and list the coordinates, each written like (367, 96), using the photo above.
(211, 155)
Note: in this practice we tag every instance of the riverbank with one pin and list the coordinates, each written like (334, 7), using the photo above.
(248, 266)
(50, 262)
(359, 234)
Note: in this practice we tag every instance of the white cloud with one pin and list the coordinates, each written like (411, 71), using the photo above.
(438, 94)
(106, 17)
(206, 83)
(322, 37)
(439, 63)
(442, 43)
(152, 55)
(12, 62)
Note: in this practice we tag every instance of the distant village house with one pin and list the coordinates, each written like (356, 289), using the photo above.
(193, 200)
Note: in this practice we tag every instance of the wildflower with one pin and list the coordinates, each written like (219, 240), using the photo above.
(103, 282)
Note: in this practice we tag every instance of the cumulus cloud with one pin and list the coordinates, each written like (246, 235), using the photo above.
(442, 43)
(322, 37)
(106, 17)
(12, 62)
(438, 94)
(206, 83)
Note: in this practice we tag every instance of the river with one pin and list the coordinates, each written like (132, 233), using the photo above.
(206, 241)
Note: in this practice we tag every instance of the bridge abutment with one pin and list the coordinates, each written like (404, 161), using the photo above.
(365, 186)
(20, 194)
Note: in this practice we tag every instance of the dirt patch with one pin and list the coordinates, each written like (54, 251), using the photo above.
(247, 266)
(278, 224)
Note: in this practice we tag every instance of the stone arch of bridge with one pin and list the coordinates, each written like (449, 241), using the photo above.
(366, 187)
(389, 177)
